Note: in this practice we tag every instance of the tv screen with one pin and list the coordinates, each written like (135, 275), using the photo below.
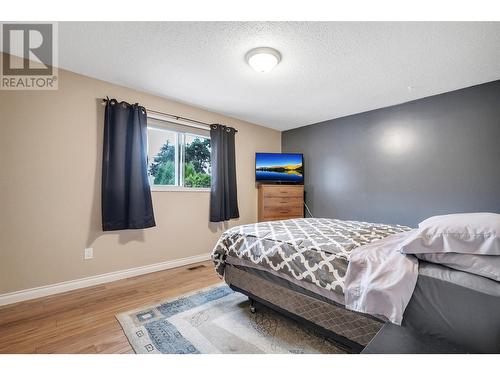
(279, 168)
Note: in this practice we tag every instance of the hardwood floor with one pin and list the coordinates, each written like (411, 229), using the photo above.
(83, 321)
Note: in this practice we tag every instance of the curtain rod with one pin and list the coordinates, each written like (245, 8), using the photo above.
(202, 125)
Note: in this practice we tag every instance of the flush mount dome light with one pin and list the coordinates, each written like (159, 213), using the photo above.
(263, 59)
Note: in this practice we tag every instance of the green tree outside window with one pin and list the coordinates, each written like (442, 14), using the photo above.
(196, 167)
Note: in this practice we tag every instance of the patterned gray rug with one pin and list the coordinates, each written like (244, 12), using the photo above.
(217, 320)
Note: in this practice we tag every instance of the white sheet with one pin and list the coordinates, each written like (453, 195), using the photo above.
(380, 280)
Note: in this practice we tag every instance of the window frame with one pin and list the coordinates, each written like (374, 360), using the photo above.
(179, 156)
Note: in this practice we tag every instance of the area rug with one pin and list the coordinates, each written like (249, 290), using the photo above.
(217, 320)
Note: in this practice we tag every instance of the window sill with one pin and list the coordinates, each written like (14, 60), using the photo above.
(179, 189)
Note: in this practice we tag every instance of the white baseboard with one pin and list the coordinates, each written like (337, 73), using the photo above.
(27, 294)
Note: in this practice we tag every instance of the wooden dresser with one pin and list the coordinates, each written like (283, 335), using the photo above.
(281, 202)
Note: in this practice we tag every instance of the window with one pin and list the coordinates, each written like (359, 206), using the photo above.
(178, 156)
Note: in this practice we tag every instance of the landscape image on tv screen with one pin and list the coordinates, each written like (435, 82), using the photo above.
(279, 167)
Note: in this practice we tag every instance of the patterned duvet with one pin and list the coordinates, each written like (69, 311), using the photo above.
(308, 250)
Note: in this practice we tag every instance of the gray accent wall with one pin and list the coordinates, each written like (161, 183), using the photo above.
(404, 163)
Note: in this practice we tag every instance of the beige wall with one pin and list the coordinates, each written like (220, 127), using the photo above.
(50, 160)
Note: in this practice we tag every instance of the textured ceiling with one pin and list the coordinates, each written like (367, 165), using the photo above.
(328, 70)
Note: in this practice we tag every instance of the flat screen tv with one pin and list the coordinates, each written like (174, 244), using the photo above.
(280, 168)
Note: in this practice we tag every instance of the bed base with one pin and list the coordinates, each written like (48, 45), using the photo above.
(350, 330)
(346, 344)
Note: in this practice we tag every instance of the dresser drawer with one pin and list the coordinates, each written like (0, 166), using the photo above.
(289, 191)
(295, 210)
(283, 202)
(275, 218)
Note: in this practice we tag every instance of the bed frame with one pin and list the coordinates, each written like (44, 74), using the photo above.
(350, 330)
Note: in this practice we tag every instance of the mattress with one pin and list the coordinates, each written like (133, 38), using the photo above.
(456, 306)
(310, 251)
(331, 298)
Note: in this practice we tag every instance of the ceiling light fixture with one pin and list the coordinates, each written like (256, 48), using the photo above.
(263, 59)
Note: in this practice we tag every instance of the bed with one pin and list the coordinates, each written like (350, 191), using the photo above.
(298, 267)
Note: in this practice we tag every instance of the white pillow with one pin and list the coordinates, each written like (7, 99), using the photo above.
(472, 233)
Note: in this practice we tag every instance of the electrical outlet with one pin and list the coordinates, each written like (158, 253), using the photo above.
(88, 253)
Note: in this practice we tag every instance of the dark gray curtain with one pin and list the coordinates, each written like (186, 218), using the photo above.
(223, 196)
(126, 196)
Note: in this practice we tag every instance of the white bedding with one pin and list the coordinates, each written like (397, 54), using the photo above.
(380, 280)
(382, 275)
